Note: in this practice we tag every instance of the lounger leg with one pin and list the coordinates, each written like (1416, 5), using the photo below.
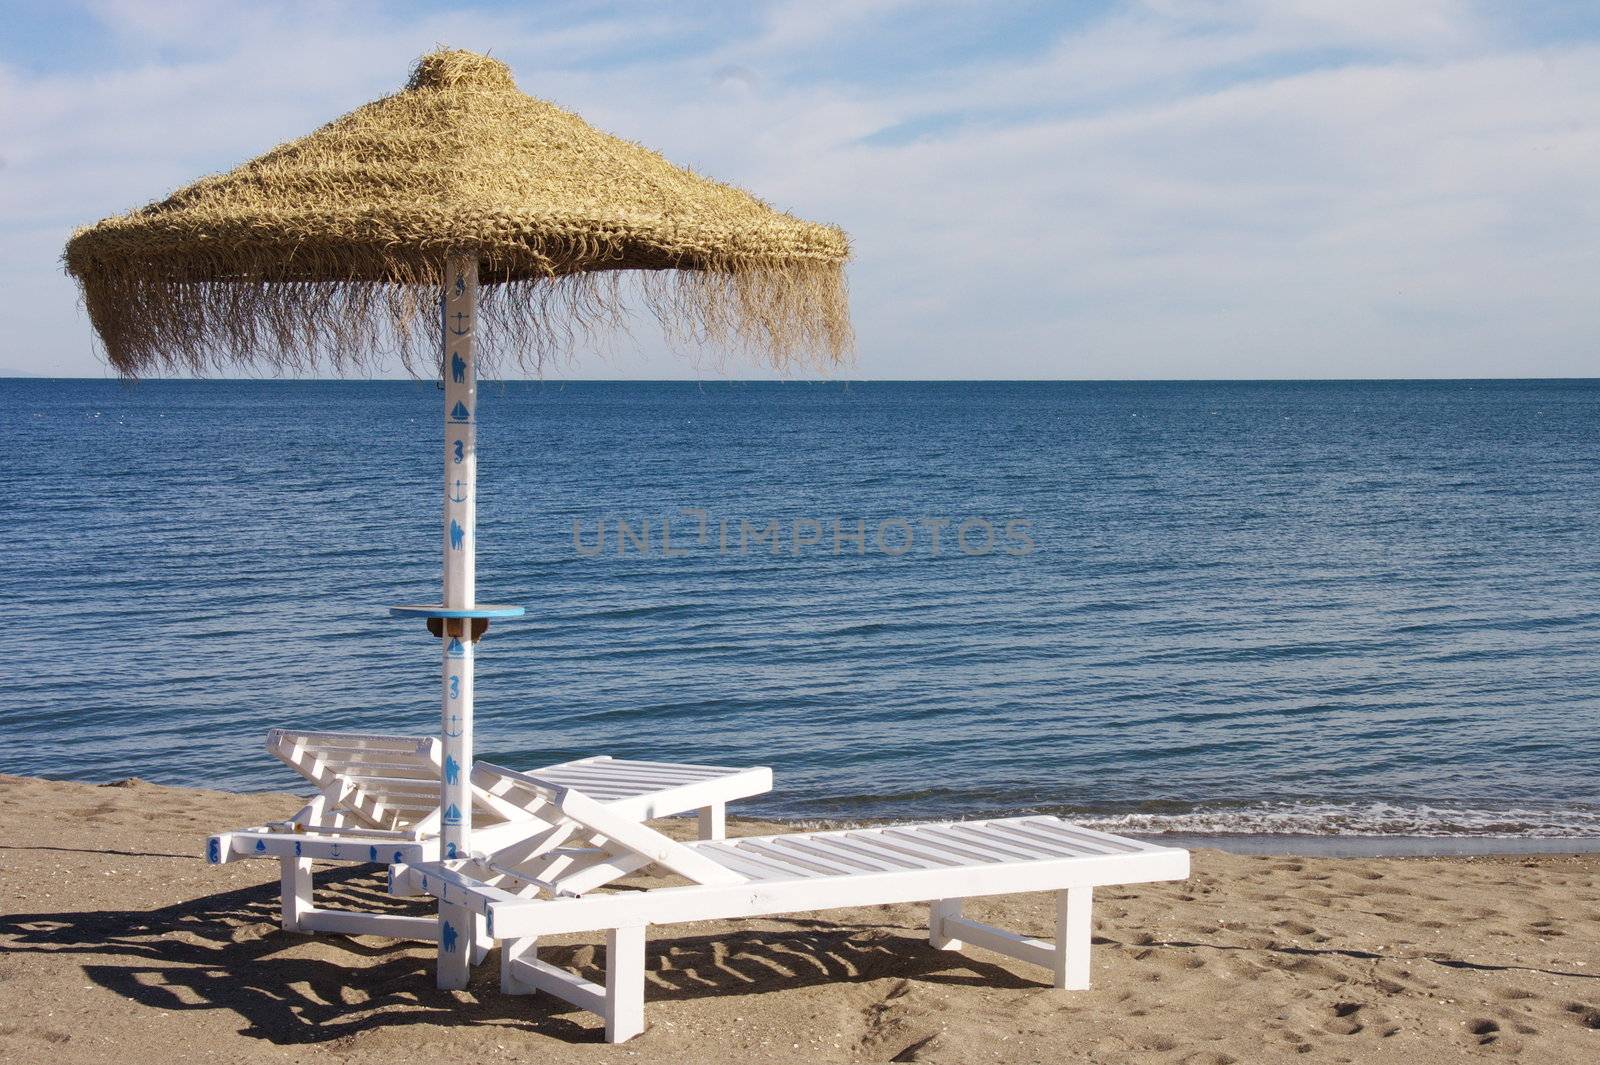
(1073, 907)
(296, 890)
(455, 947)
(525, 949)
(624, 983)
(714, 821)
(482, 942)
(937, 912)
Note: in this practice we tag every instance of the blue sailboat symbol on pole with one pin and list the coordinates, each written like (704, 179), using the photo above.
(460, 413)
(455, 650)
(452, 814)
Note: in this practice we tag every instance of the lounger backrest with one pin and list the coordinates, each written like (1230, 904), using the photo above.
(617, 829)
(387, 781)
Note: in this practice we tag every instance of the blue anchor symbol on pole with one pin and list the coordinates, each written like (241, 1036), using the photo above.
(454, 728)
(460, 328)
(460, 493)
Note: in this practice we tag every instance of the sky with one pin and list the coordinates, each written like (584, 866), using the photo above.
(1133, 190)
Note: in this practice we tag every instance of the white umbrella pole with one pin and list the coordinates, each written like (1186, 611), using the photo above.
(460, 559)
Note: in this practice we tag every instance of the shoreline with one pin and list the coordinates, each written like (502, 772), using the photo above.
(1285, 844)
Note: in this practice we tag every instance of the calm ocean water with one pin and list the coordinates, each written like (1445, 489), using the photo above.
(1311, 607)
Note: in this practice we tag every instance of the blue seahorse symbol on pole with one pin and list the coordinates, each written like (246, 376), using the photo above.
(448, 938)
(458, 535)
(452, 770)
(297, 848)
(450, 851)
(461, 285)
(214, 851)
(458, 368)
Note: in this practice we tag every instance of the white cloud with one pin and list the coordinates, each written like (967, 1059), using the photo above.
(1177, 189)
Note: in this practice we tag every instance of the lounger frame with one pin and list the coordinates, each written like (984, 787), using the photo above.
(941, 864)
(378, 802)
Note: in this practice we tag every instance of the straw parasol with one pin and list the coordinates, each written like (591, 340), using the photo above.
(334, 245)
(454, 221)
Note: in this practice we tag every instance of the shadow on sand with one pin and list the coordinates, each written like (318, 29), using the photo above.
(226, 951)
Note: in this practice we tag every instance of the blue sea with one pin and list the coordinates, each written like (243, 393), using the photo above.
(1336, 608)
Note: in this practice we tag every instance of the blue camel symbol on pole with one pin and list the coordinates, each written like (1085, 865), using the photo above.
(452, 770)
(458, 367)
(458, 535)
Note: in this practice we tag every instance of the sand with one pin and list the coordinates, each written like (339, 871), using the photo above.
(119, 944)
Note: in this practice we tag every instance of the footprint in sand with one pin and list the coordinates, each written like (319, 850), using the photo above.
(1345, 1019)
(1588, 1016)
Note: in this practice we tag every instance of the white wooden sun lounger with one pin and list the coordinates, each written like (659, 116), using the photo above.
(378, 801)
(536, 890)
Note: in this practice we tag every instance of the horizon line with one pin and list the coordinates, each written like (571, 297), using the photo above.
(15, 375)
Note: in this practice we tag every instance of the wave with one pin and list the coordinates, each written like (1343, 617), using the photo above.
(1357, 819)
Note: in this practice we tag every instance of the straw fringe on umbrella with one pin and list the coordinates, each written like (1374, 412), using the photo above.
(333, 247)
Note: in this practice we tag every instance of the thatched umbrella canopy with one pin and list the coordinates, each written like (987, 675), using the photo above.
(333, 247)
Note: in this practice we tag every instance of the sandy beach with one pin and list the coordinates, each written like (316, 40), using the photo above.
(118, 943)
